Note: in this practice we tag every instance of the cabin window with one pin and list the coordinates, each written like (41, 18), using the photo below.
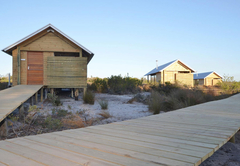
(183, 71)
(67, 54)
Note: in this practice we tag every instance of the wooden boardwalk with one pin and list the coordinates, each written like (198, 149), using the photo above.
(184, 137)
(12, 98)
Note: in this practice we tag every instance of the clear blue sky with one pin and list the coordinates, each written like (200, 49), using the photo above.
(128, 36)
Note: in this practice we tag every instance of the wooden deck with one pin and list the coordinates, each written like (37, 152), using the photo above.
(184, 137)
(13, 97)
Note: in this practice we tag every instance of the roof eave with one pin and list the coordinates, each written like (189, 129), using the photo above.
(40, 30)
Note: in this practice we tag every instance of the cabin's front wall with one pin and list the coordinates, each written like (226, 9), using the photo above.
(177, 72)
(71, 72)
(185, 78)
(212, 79)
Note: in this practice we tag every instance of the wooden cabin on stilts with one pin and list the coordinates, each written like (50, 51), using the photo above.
(50, 58)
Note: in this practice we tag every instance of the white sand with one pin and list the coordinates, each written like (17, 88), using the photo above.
(118, 108)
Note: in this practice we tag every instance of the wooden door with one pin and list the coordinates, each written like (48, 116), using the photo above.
(35, 68)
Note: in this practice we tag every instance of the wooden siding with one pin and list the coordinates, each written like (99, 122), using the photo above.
(185, 78)
(45, 56)
(169, 76)
(216, 81)
(50, 42)
(213, 75)
(14, 67)
(23, 68)
(66, 72)
(177, 67)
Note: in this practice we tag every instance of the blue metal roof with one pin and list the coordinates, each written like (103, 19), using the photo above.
(203, 75)
(159, 68)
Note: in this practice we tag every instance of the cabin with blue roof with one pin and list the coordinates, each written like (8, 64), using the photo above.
(174, 71)
(207, 78)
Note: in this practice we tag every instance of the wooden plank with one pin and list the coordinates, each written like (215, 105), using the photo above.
(111, 145)
(13, 97)
(62, 153)
(117, 159)
(13, 159)
(35, 155)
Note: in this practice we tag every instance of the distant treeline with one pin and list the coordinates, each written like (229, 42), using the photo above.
(115, 84)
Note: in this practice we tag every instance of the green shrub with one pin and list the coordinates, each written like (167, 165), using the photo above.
(115, 85)
(89, 97)
(229, 85)
(99, 85)
(155, 103)
(61, 112)
(103, 104)
(54, 99)
(51, 123)
(165, 88)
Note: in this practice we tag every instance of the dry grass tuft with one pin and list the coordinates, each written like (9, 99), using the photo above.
(105, 114)
(73, 122)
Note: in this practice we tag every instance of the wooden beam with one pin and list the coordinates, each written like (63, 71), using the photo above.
(52, 91)
(71, 92)
(49, 49)
(45, 93)
(19, 65)
(31, 100)
(21, 112)
(36, 97)
(76, 94)
(41, 94)
(84, 91)
(232, 140)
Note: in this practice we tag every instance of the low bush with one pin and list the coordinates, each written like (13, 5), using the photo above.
(54, 99)
(103, 104)
(99, 85)
(166, 88)
(89, 97)
(155, 103)
(170, 97)
(115, 85)
(229, 85)
(52, 124)
(61, 112)
(73, 122)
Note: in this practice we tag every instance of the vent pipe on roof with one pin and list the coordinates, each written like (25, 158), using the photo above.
(157, 64)
(196, 73)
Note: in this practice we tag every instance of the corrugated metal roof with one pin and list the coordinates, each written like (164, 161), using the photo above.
(162, 67)
(203, 75)
(42, 29)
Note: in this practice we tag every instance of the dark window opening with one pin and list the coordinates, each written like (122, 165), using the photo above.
(67, 54)
(183, 71)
